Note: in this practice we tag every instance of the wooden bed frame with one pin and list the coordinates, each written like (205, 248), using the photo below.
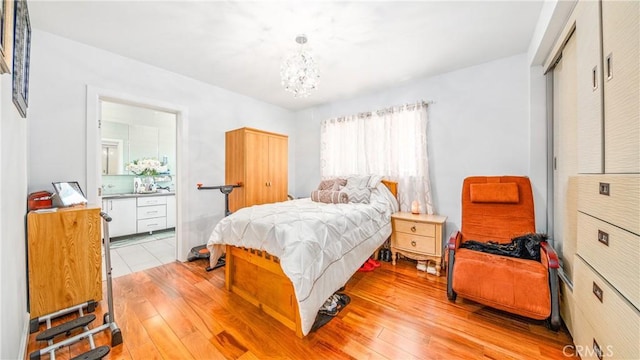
(248, 271)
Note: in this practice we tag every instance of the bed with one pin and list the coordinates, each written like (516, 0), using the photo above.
(287, 258)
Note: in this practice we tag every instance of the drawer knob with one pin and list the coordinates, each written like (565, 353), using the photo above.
(603, 237)
(413, 243)
(413, 229)
(604, 189)
(597, 291)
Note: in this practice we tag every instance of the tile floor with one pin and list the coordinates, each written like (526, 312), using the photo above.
(140, 252)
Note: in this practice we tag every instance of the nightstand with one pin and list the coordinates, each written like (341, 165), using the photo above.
(417, 236)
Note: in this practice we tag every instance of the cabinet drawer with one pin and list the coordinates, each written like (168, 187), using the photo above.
(587, 343)
(415, 228)
(151, 200)
(146, 212)
(419, 244)
(152, 224)
(613, 253)
(615, 323)
(620, 207)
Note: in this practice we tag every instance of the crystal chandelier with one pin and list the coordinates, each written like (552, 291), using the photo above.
(299, 71)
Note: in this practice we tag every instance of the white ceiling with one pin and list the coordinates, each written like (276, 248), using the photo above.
(360, 46)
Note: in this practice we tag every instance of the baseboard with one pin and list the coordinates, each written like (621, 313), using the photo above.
(24, 342)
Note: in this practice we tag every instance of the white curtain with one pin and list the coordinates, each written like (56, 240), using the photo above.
(390, 142)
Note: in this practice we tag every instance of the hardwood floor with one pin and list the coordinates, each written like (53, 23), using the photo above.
(179, 311)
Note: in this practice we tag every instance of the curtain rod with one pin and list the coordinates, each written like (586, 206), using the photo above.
(396, 107)
(391, 109)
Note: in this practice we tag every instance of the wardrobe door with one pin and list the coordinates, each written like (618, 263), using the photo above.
(589, 87)
(565, 147)
(234, 169)
(620, 42)
(256, 168)
(278, 169)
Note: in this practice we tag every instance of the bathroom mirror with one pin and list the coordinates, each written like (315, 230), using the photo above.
(132, 133)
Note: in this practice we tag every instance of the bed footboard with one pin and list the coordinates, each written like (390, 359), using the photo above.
(257, 277)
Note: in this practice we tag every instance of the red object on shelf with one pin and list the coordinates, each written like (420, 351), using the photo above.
(39, 200)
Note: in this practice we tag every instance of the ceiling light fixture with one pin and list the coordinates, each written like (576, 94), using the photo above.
(299, 71)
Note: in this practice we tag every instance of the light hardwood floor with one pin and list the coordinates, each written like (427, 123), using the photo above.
(179, 311)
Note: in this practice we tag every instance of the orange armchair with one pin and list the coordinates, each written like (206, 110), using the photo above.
(498, 209)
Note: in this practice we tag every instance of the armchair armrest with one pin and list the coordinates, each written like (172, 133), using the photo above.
(454, 241)
(551, 254)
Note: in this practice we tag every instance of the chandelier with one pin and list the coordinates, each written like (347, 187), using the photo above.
(299, 71)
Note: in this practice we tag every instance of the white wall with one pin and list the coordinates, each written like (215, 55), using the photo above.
(13, 199)
(478, 125)
(60, 71)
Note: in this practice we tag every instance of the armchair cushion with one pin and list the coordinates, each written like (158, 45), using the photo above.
(499, 282)
(505, 193)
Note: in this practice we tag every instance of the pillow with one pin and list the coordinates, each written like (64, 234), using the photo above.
(329, 196)
(357, 195)
(332, 184)
(358, 181)
(374, 180)
(357, 189)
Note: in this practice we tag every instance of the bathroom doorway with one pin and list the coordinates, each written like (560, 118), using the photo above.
(167, 182)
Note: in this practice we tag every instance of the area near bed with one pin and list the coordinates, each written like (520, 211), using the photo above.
(318, 247)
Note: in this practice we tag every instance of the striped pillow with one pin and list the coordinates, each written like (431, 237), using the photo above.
(357, 189)
(329, 196)
(357, 195)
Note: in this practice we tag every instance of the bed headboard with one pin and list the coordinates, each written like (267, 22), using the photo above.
(392, 186)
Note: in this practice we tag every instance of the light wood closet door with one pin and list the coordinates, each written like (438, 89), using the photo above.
(620, 42)
(278, 169)
(257, 169)
(589, 87)
(564, 147)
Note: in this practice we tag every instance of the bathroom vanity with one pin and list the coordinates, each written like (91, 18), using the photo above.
(140, 213)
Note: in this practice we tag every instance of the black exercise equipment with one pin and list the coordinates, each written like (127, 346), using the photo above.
(201, 251)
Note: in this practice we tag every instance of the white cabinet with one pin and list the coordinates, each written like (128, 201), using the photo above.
(151, 213)
(171, 211)
(123, 215)
(140, 214)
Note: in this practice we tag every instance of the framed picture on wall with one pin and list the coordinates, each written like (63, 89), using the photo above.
(6, 35)
(21, 53)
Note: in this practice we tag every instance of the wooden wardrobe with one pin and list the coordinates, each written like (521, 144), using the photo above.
(259, 161)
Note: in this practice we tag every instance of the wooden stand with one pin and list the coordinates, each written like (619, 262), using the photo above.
(417, 236)
(64, 258)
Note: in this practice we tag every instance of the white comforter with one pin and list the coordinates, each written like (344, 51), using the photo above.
(320, 246)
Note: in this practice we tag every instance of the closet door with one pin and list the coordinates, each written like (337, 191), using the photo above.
(589, 87)
(621, 86)
(256, 168)
(278, 170)
(565, 147)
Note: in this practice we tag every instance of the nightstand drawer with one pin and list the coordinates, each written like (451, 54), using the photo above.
(415, 228)
(419, 244)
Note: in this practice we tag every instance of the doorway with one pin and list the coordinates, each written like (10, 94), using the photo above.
(121, 180)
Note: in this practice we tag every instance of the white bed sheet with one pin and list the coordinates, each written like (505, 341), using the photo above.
(320, 246)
